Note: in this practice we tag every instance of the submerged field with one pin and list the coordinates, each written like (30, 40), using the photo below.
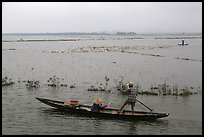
(85, 61)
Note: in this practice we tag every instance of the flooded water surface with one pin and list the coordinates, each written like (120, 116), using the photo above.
(157, 59)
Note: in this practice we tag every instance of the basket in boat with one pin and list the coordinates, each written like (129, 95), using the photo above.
(71, 102)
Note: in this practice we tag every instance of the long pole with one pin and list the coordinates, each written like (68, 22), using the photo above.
(145, 105)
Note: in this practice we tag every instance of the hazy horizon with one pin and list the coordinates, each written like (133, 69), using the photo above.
(105, 32)
(94, 17)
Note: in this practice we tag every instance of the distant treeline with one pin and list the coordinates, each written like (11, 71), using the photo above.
(101, 33)
(76, 33)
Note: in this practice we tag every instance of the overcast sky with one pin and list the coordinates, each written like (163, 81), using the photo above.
(154, 17)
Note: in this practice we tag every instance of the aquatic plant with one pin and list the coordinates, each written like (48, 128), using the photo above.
(121, 85)
(53, 81)
(73, 86)
(92, 88)
(185, 92)
(160, 89)
(148, 93)
(7, 81)
(126, 49)
(101, 87)
(32, 84)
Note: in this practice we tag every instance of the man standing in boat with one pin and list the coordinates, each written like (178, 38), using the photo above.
(131, 100)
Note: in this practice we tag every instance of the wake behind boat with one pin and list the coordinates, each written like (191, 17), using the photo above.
(105, 113)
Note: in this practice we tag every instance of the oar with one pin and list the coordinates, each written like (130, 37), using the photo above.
(145, 105)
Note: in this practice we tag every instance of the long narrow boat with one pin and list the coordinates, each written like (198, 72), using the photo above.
(105, 113)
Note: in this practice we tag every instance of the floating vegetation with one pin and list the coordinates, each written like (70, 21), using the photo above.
(73, 86)
(164, 89)
(8, 49)
(7, 81)
(32, 84)
(101, 87)
(182, 58)
(55, 82)
(183, 91)
(71, 39)
(156, 55)
(147, 93)
(63, 85)
(129, 36)
(93, 88)
(39, 40)
(106, 49)
(178, 37)
(161, 89)
(121, 86)
(125, 49)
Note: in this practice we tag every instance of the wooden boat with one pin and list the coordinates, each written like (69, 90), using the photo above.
(180, 44)
(85, 110)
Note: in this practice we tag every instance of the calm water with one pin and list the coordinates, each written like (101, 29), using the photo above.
(23, 114)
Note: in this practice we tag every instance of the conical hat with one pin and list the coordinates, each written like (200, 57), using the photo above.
(130, 83)
(98, 101)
